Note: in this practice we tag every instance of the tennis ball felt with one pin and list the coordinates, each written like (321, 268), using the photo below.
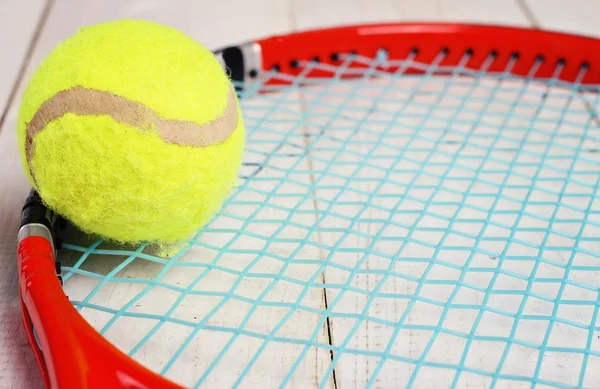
(132, 131)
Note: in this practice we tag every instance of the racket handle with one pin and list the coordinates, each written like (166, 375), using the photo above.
(44, 304)
(33, 251)
(69, 352)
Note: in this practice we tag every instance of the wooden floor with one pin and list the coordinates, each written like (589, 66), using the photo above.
(29, 29)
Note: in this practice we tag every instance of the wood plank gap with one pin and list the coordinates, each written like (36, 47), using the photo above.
(528, 13)
(23, 68)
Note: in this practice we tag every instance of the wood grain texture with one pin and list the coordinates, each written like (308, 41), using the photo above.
(465, 11)
(335, 12)
(18, 23)
(579, 17)
(17, 366)
(224, 23)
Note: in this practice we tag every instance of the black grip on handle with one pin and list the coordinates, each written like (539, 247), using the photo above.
(234, 62)
(35, 212)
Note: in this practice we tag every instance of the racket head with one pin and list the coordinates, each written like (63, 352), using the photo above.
(67, 348)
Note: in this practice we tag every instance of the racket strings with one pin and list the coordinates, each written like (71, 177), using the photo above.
(422, 207)
(386, 65)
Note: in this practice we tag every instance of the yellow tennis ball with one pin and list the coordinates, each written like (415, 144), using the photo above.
(132, 131)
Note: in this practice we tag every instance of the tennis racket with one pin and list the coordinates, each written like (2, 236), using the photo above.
(418, 208)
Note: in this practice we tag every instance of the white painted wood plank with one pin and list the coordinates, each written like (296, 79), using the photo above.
(17, 365)
(579, 17)
(220, 24)
(18, 23)
(466, 11)
(239, 22)
(316, 13)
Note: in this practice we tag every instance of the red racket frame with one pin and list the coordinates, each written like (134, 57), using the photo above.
(399, 40)
(76, 356)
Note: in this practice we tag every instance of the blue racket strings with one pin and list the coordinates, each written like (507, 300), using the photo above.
(390, 229)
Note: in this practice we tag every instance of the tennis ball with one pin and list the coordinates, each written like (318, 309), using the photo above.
(132, 131)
